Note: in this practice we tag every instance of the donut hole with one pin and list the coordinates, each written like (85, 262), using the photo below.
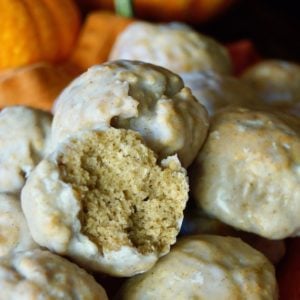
(126, 198)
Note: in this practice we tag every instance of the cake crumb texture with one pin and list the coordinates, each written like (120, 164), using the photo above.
(126, 197)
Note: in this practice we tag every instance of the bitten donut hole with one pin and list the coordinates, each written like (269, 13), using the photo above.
(126, 198)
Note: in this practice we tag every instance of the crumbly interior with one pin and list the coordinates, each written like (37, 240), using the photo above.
(127, 198)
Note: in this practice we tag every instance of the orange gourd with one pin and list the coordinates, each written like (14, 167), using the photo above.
(36, 85)
(243, 54)
(36, 30)
(98, 34)
(193, 11)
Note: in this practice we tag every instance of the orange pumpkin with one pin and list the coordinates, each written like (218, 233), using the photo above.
(36, 85)
(243, 54)
(36, 30)
(98, 34)
(181, 10)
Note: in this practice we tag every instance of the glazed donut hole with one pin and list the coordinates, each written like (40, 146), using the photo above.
(276, 82)
(24, 140)
(205, 267)
(40, 274)
(14, 232)
(175, 46)
(126, 198)
(103, 199)
(216, 91)
(247, 174)
(138, 96)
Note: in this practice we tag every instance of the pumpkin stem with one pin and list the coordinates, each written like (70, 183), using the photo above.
(124, 8)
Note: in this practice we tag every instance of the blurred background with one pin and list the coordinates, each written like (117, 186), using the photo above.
(272, 25)
(43, 48)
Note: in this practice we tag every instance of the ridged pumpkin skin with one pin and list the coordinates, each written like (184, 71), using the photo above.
(36, 30)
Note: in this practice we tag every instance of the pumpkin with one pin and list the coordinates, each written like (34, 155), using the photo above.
(36, 30)
(98, 34)
(36, 85)
(181, 10)
(243, 55)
